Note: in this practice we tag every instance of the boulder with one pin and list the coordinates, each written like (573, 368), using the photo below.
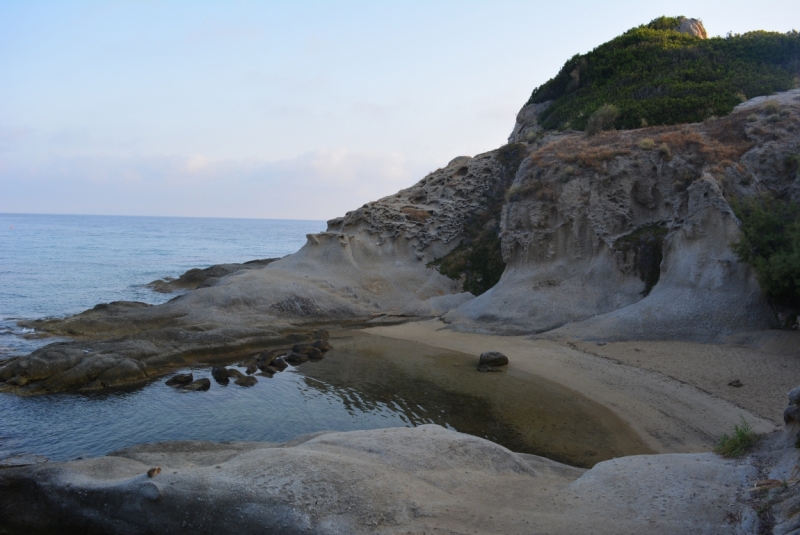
(252, 368)
(305, 349)
(247, 380)
(320, 334)
(485, 368)
(236, 374)
(201, 385)
(180, 379)
(220, 375)
(296, 358)
(493, 358)
(315, 354)
(323, 345)
(279, 364)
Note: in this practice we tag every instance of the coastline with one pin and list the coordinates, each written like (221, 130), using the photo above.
(672, 408)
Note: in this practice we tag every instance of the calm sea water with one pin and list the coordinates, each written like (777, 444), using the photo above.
(56, 265)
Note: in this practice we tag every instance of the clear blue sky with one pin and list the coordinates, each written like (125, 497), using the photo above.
(293, 109)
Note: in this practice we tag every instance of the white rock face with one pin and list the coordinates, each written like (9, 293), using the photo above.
(577, 207)
(396, 480)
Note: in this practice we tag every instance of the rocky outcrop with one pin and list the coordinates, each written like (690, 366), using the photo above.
(627, 234)
(203, 278)
(420, 480)
(692, 27)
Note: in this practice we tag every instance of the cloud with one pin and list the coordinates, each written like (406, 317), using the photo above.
(315, 185)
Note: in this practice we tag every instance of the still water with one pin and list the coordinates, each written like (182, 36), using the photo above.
(365, 382)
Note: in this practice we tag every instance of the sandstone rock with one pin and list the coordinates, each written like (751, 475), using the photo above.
(252, 368)
(271, 370)
(402, 480)
(296, 358)
(280, 364)
(305, 349)
(153, 472)
(266, 374)
(320, 334)
(17, 380)
(220, 375)
(493, 358)
(794, 396)
(323, 345)
(692, 27)
(236, 374)
(180, 379)
(791, 414)
(246, 381)
(200, 385)
(315, 354)
(197, 278)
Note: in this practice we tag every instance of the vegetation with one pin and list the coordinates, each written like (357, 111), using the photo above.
(738, 442)
(654, 75)
(602, 119)
(770, 242)
(478, 260)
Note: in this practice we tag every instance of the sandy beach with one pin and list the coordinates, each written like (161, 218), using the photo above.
(674, 394)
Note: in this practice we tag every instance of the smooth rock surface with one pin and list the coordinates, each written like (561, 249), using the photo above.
(419, 480)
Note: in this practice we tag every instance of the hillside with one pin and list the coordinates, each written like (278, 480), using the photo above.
(657, 75)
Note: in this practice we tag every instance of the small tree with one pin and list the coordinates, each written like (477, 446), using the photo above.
(601, 119)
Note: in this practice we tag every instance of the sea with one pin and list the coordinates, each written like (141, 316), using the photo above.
(58, 265)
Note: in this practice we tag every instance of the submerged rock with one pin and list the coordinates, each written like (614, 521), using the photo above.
(485, 368)
(180, 379)
(279, 364)
(493, 358)
(248, 380)
(236, 374)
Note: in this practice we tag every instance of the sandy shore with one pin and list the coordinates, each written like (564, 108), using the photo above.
(674, 394)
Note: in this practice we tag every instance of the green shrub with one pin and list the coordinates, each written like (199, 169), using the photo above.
(738, 442)
(770, 242)
(655, 73)
(752, 118)
(647, 144)
(602, 119)
(664, 151)
(771, 107)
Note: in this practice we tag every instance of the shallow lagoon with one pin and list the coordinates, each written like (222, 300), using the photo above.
(365, 382)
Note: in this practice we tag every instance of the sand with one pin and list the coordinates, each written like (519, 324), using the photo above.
(675, 395)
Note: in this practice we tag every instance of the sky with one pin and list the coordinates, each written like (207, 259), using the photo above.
(281, 109)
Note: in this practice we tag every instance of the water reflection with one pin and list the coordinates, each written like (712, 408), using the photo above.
(365, 382)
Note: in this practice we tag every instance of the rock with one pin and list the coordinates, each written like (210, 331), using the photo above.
(220, 375)
(180, 379)
(791, 414)
(199, 278)
(252, 368)
(323, 345)
(484, 368)
(236, 374)
(280, 364)
(315, 354)
(493, 358)
(270, 370)
(265, 374)
(692, 27)
(248, 380)
(153, 472)
(266, 358)
(17, 380)
(736, 383)
(320, 334)
(305, 349)
(794, 396)
(297, 358)
(201, 385)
